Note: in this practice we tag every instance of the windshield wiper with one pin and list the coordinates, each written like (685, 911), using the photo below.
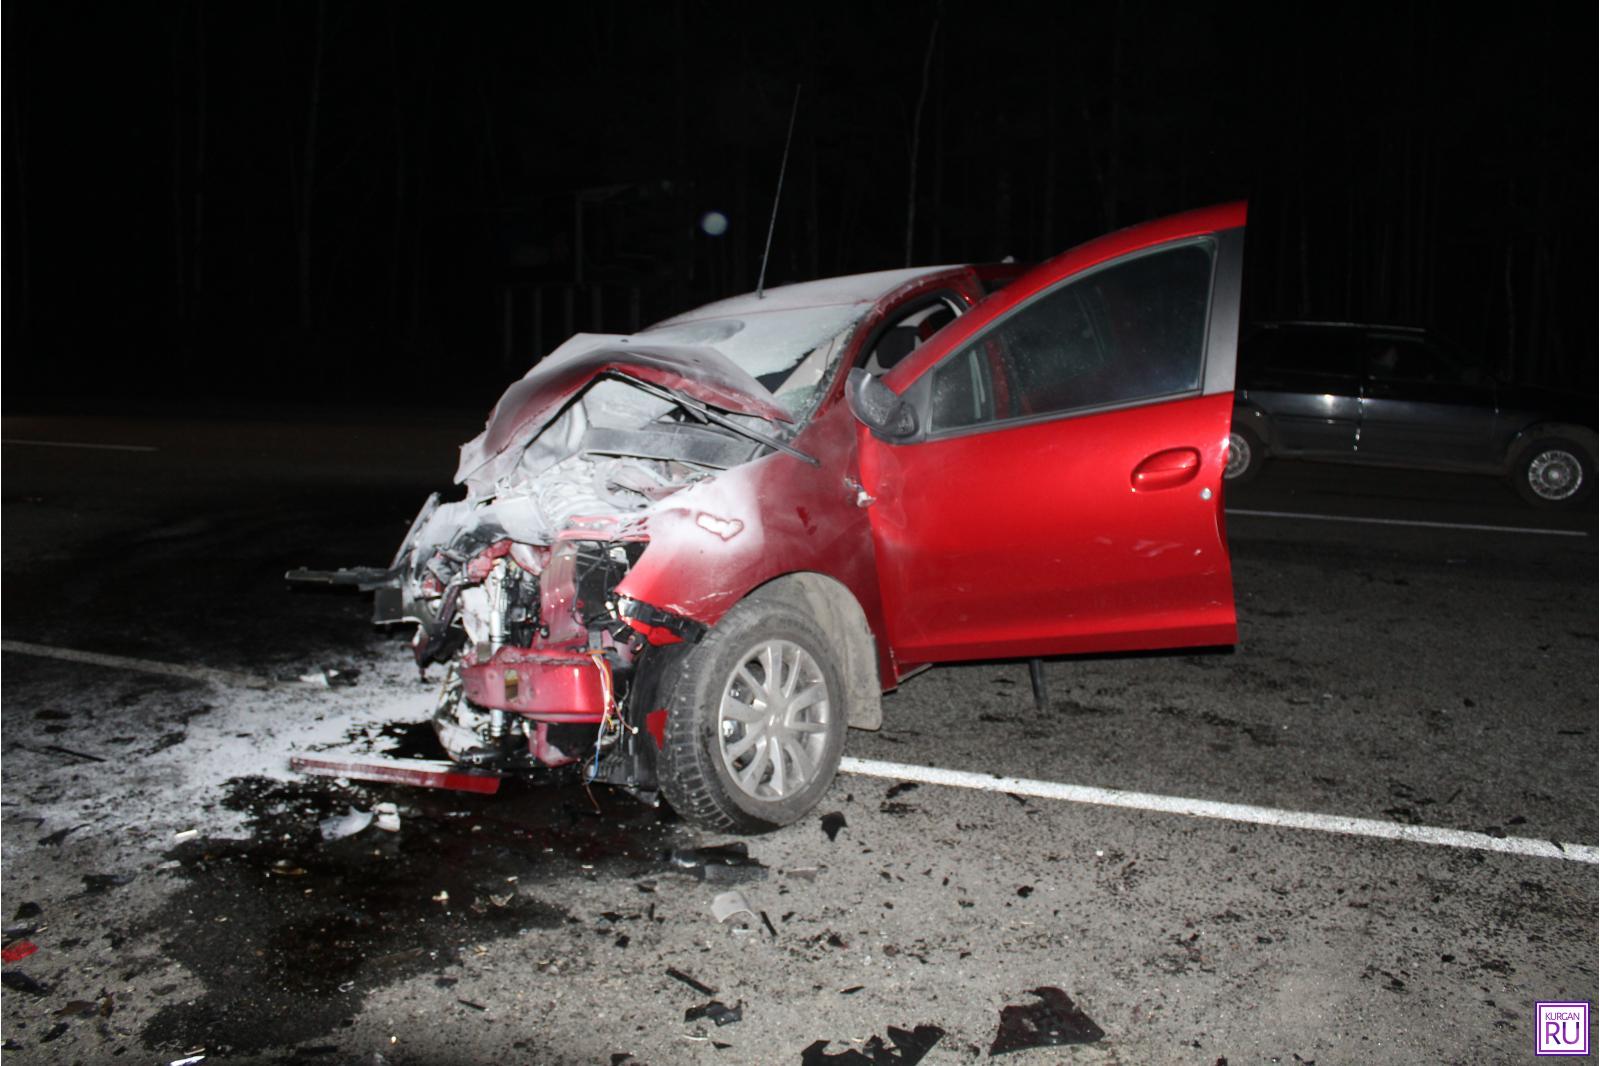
(706, 414)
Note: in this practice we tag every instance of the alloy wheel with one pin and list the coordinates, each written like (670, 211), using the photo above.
(772, 721)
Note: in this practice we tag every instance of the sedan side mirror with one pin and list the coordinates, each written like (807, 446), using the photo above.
(876, 406)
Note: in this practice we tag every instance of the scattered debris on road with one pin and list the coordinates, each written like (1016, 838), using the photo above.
(906, 1048)
(1052, 1021)
(832, 823)
(344, 825)
(716, 1011)
(331, 678)
(719, 863)
(23, 948)
(678, 975)
(388, 816)
(730, 905)
(424, 773)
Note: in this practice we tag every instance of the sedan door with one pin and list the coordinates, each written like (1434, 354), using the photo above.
(1061, 491)
(1308, 381)
(1421, 408)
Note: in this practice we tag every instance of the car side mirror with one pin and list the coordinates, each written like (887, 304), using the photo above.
(876, 406)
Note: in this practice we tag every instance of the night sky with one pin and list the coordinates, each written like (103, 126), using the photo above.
(300, 201)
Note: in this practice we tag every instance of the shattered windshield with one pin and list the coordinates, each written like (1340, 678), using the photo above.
(789, 351)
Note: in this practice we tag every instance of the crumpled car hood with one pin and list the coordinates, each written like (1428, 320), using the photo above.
(528, 406)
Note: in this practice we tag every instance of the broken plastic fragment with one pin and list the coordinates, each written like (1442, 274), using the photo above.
(426, 773)
(388, 816)
(730, 905)
(1052, 1021)
(717, 1011)
(722, 863)
(18, 951)
(189, 1060)
(345, 825)
(679, 975)
(907, 1050)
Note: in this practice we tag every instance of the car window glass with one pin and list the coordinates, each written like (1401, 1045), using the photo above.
(961, 394)
(1312, 353)
(1132, 331)
(913, 329)
(1409, 359)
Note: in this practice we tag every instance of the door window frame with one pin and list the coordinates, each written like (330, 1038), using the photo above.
(1226, 249)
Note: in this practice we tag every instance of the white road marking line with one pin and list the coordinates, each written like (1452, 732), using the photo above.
(1410, 522)
(81, 444)
(148, 666)
(1231, 812)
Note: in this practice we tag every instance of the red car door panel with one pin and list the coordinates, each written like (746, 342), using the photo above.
(1064, 491)
(1031, 540)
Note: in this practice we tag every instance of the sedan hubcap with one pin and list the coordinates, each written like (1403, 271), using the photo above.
(1238, 455)
(1555, 474)
(773, 720)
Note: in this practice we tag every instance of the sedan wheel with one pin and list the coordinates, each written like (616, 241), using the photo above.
(755, 720)
(1554, 473)
(773, 720)
(1246, 453)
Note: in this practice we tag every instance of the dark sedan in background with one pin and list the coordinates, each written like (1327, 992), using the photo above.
(1396, 396)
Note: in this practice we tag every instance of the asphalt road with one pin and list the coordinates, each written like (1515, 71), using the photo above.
(169, 870)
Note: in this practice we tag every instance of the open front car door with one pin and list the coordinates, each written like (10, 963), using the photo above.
(1055, 483)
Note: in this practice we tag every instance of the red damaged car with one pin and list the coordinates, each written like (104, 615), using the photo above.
(689, 558)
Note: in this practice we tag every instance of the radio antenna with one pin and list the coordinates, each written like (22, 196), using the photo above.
(761, 281)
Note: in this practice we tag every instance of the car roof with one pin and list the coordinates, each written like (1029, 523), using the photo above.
(824, 292)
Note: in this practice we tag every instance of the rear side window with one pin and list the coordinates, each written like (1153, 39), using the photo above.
(1132, 331)
(1409, 359)
(1307, 359)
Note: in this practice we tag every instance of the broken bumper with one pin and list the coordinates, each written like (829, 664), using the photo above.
(551, 686)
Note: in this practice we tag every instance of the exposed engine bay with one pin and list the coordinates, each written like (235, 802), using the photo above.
(513, 589)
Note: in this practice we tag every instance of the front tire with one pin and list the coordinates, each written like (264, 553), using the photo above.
(1553, 472)
(755, 720)
(1246, 453)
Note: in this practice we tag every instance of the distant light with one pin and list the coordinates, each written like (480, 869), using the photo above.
(715, 223)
